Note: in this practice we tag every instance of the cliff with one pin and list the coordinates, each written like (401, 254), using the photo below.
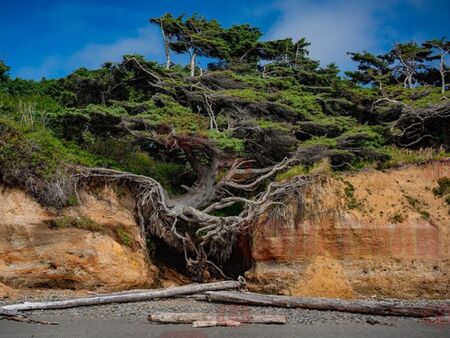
(363, 234)
(371, 233)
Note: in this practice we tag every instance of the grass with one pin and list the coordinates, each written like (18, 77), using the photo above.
(400, 156)
(296, 170)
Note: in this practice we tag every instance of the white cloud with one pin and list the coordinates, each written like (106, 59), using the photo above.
(334, 27)
(147, 42)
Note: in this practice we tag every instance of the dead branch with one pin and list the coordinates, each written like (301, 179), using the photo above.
(411, 127)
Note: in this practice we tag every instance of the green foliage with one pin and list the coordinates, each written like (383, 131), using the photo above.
(443, 187)
(225, 141)
(399, 156)
(296, 170)
(164, 110)
(4, 69)
(125, 237)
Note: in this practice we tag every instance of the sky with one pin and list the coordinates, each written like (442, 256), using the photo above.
(43, 38)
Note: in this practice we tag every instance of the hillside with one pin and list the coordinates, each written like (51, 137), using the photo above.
(205, 152)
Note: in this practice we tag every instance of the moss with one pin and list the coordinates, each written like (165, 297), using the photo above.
(124, 236)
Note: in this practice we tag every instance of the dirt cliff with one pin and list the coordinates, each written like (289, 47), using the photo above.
(95, 244)
(372, 233)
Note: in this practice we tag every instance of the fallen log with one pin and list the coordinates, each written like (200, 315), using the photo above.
(124, 297)
(187, 318)
(213, 323)
(382, 308)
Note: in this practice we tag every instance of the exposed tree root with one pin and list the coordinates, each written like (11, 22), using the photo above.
(188, 223)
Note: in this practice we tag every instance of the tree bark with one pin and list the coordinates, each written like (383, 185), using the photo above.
(166, 47)
(186, 318)
(383, 308)
(192, 63)
(124, 297)
(442, 71)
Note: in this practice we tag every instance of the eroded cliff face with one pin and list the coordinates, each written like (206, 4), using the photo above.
(380, 233)
(37, 250)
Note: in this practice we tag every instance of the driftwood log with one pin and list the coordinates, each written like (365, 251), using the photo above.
(212, 323)
(187, 318)
(383, 308)
(125, 297)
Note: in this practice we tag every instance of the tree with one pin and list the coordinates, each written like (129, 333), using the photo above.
(407, 60)
(199, 37)
(169, 26)
(242, 41)
(441, 49)
(4, 69)
(372, 69)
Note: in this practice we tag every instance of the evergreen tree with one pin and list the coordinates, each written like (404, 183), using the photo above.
(440, 49)
(372, 69)
(407, 61)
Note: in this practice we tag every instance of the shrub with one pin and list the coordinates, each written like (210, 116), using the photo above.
(443, 187)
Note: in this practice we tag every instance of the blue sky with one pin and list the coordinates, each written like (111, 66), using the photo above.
(43, 38)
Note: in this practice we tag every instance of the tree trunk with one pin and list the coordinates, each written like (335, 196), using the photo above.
(166, 47)
(124, 297)
(192, 63)
(186, 318)
(442, 71)
(382, 308)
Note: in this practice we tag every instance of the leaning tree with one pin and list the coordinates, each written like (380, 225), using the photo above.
(441, 50)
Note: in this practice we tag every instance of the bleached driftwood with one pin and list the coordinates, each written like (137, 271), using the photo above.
(187, 318)
(124, 297)
(383, 308)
